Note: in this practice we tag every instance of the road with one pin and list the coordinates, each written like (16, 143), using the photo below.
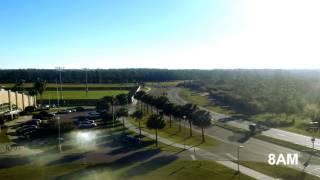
(173, 94)
(254, 149)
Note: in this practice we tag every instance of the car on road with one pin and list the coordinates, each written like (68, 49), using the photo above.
(80, 109)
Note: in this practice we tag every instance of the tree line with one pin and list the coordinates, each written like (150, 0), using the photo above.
(137, 75)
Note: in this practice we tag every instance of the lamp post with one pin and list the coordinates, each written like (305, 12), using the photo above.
(313, 139)
(59, 135)
(60, 69)
(239, 147)
(184, 126)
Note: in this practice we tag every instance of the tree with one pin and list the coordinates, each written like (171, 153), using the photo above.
(156, 122)
(202, 119)
(177, 113)
(19, 86)
(139, 96)
(122, 99)
(160, 101)
(168, 109)
(40, 86)
(188, 110)
(138, 115)
(112, 101)
(102, 106)
(122, 112)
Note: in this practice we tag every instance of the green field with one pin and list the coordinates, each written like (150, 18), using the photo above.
(82, 94)
(28, 85)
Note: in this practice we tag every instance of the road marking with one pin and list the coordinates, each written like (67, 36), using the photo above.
(316, 169)
(193, 157)
(281, 134)
(230, 156)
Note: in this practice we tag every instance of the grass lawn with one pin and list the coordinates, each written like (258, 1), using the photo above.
(281, 172)
(202, 100)
(82, 94)
(3, 137)
(178, 169)
(181, 137)
(52, 85)
(167, 83)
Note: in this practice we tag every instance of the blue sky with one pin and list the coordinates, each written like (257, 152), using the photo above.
(153, 34)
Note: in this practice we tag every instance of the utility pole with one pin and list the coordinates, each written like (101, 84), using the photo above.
(57, 93)
(87, 90)
(60, 70)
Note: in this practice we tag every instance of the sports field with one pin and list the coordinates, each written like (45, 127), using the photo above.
(82, 94)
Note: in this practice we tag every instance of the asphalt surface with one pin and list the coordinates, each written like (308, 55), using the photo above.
(254, 149)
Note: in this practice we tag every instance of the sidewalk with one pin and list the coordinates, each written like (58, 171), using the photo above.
(203, 153)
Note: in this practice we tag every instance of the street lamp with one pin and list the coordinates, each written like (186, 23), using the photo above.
(239, 157)
(184, 126)
(313, 139)
(59, 136)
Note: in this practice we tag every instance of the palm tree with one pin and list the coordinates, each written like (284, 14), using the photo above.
(160, 102)
(168, 111)
(122, 112)
(138, 114)
(139, 96)
(188, 110)
(19, 85)
(156, 122)
(122, 99)
(177, 113)
(112, 101)
(40, 86)
(202, 119)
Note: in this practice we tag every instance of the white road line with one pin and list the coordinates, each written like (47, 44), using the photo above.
(281, 135)
(230, 156)
(193, 157)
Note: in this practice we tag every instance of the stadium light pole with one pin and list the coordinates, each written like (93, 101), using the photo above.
(60, 69)
(87, 89)
(57, 93)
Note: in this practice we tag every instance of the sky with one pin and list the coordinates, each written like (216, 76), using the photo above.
(173, 34)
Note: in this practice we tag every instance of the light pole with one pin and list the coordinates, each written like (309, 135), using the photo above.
(60, 70)
(313, 139)
(87, 90)
(57, 93)
(184, 126)
(59, 136)
(239, 147)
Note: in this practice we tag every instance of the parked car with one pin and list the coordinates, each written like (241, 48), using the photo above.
(81, 120)
(129, 140)
(36, 122)
(87, 125)
(93, 115)
(25, 129)
(80, 109)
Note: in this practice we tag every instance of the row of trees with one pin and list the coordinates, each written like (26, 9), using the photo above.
(188, 112)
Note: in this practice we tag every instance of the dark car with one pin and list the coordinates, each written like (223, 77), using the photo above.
(80, 109)
(129, 140)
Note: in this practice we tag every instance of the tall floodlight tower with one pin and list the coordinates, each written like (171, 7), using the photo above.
(60, 69)
(87, 89)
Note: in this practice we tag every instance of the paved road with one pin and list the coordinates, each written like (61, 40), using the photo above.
(203, 153)
(173, 94)
(254, 149)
